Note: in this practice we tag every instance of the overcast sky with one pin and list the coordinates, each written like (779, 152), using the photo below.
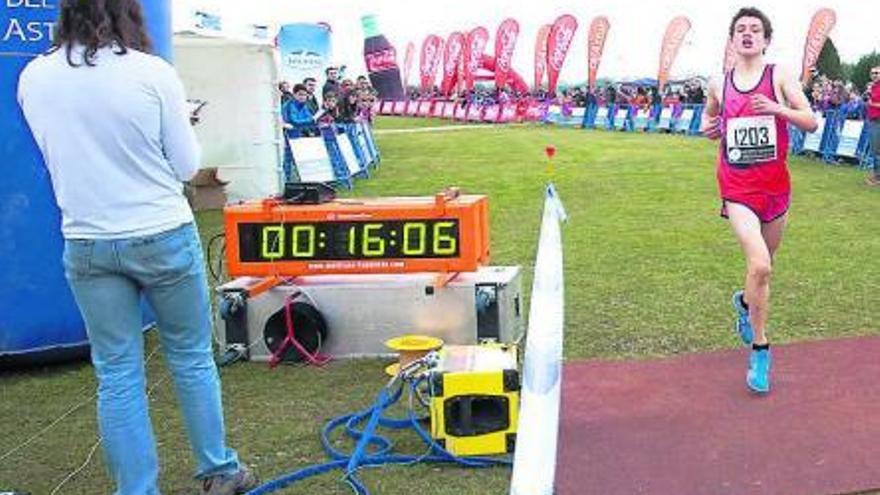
(632, 48)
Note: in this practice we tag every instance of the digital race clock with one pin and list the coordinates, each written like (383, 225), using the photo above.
(444, 233)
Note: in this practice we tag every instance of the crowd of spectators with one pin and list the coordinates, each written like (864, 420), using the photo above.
(823, 93)
(342, 101)
(826, 94)
(345, 100)
(622, 93)
(348, 101)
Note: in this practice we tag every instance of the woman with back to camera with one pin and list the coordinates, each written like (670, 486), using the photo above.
(118, 145)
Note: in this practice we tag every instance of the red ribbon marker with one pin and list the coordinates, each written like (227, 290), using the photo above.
(550, 151)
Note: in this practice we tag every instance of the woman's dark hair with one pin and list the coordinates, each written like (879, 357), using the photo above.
(96, 24)
(756, 13)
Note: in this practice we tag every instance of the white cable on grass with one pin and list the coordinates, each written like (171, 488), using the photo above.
(65, 414)
(77, 470)
(51, 425)
(85, 463)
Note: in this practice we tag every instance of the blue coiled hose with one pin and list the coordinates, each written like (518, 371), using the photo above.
(382, 452)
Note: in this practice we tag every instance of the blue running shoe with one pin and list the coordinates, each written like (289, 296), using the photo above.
(742, 326)
(758, 377)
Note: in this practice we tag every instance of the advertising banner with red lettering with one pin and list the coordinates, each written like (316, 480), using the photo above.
(541, 54)
(820, 27)
(508, 112)
(474, 48)
(407, 63)
(452, 56)
(672, 41)
(505, 43)
(535, 111)
(595, 46)
(429, 61)
(729, 57)
(558, 42)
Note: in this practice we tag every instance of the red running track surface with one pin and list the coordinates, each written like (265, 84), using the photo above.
(688, 425)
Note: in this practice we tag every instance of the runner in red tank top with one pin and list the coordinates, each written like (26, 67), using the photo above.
(749, 110)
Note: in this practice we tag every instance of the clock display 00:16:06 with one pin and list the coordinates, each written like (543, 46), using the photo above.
(261, 242)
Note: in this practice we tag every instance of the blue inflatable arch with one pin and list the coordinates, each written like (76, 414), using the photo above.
(39, 320)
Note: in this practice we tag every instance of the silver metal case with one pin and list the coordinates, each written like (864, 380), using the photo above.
(363, 311)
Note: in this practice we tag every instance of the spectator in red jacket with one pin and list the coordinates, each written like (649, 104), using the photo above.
(874, 122)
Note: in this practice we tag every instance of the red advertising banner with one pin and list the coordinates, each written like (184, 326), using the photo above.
(477, 40)
(429, 61)
(558, 42)
(452, 56)
(505, 43)
(534, 111)
(672, 41)
(491, 113)
(729, 57)
(541, 54)
(820, 27)
(508, 112)
(595, 46)
(407, 63)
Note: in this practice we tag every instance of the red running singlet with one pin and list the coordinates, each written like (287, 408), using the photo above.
(754, 147)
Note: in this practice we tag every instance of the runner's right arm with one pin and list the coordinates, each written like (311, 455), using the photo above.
(710, 124)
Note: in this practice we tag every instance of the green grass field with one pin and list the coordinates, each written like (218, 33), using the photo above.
(649, 269)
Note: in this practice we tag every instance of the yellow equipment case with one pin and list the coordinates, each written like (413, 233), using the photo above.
(474, 397)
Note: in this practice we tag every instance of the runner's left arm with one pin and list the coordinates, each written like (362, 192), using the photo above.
(797, 111)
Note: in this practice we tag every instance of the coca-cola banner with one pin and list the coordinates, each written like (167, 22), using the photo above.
(505, 43)
(381, 60)
(407, 62)
(672, 41)
(429, 61)
(595, 46)
(558, 42)
(541, 54)
(477, 40)
(452, 57)
(820, 27)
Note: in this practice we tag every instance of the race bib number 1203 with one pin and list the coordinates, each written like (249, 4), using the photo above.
(751, 139)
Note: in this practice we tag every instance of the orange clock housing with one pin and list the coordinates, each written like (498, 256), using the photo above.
(444, 233)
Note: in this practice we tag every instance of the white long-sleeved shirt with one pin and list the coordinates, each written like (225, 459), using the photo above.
(116, 139)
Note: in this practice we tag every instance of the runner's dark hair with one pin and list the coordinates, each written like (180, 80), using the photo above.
(752, 12)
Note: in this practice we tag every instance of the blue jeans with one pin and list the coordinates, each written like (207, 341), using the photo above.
(108, 278)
